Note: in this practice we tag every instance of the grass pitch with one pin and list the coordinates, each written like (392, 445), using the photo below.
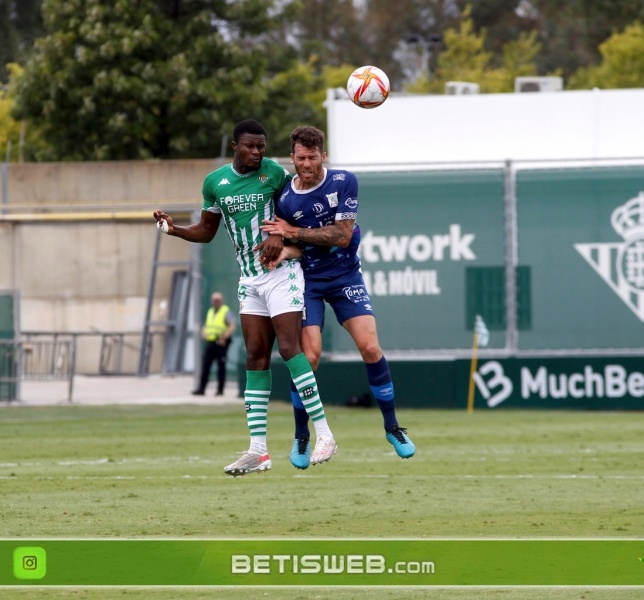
(157, 471)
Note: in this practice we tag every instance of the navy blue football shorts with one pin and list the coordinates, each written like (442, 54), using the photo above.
(347, 296)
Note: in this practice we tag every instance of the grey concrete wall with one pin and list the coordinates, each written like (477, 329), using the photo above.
(78, 265)
(77, 241)
(88, 277)
(105, 183)
(6, 256)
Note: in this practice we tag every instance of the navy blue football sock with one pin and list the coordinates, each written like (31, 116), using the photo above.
(379, 378)
(300, 415)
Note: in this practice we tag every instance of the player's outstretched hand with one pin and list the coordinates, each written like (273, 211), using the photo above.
(164, 221)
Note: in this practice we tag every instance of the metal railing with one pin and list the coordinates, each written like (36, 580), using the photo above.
(109, 352)
(104, 352)
(36, 360)
(49, 356)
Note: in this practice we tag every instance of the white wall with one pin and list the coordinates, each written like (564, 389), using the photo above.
(410, 130)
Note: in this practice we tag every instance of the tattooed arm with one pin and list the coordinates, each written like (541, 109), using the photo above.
(337, 234)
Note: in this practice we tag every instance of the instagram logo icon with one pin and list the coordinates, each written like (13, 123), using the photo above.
(29, 562)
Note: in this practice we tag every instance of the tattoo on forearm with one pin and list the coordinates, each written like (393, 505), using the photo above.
(324, 236)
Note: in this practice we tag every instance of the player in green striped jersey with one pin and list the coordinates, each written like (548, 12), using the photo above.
(240, 195)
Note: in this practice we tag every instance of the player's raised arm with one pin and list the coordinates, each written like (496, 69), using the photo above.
(337, 234)
(201, 232)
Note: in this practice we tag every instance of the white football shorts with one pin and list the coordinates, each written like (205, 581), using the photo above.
(274, 292)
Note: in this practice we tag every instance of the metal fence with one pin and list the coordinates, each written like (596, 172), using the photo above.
(50, 359)
(102, 352)
(50, 356)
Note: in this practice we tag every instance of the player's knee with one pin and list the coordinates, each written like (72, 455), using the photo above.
(288, 350)
(371, 353)
(314, 359)
(257, 361)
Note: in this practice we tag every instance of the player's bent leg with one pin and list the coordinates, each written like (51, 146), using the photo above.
(301, 449)
(259, 337)
(307, 389)
(364, 333)
(312, 344)
(286, 325)
(256, 396)
(383, 389)
(300, 455)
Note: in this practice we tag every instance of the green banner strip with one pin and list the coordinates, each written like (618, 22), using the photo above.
(304, 562)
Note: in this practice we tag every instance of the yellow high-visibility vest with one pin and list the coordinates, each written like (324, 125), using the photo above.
(216, 323)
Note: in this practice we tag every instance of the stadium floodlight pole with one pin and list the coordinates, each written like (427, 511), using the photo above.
(481, 338)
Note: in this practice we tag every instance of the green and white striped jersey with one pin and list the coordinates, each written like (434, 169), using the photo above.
(244, 201)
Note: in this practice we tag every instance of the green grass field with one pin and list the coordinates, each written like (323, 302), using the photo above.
(157, 471)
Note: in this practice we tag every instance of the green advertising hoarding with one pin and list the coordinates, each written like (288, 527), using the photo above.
(587, 383)
(582, 231)
(435, 252)
(421, 232)
(570, 383)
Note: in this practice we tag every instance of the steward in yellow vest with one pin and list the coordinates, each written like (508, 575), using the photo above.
(215, 325)
(217, 332)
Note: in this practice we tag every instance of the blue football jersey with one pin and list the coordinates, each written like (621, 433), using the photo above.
(335, 198)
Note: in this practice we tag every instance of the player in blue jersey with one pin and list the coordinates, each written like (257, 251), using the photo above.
(241, 195)
(317, 209)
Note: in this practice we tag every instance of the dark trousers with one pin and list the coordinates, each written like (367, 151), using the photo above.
(214, 352)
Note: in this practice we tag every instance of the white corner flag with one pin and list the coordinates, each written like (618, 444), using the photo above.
(481, 329)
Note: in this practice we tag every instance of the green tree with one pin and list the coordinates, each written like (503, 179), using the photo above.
(329, 29)
(9, 129)
(574, 30)
(309, 82)
(293, 101)
(116, 79)
(20, 25)
(391, 35)
(622, 64)
(465, 58)
(404, 37)
(14, 135)
(568, 31)
(520, 58)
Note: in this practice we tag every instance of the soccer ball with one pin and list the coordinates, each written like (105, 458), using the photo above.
(368, 87)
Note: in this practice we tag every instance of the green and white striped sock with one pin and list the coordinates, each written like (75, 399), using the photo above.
(307, 388)
(256, 395)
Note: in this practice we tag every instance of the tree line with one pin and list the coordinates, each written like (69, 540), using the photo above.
(144, 79)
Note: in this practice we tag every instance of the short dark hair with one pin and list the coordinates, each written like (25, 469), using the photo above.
(309, 137)
(248, 126)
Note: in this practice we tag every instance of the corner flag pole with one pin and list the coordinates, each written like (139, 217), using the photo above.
(481, 337)
(470, 391)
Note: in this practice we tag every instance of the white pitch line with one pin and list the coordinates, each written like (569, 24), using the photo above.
(120, 461)
(343, 476)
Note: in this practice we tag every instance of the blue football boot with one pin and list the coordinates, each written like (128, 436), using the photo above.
(301, 453)
(397, 437)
